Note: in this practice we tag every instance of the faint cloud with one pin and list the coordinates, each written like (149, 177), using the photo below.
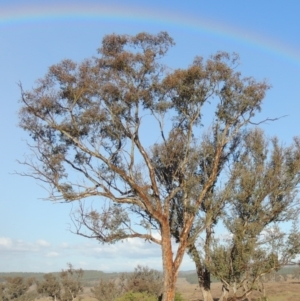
(52, 254)
(130, 249)
(83, 264)
(65, 245)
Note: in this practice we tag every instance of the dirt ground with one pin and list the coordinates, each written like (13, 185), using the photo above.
(275, 291)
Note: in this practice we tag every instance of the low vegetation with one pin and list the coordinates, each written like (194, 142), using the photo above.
(17, 289)
(65, 288)
(143, 284)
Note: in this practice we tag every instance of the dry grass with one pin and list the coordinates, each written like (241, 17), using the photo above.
(276, 291)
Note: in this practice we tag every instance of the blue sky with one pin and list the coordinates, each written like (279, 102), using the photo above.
(34, 233)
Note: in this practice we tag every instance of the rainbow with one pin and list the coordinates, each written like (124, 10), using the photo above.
(18, 15)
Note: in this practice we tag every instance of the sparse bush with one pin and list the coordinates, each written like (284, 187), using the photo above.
(108, 290)
(17, 289)
(142, 280)
(146, 280)
(137, 296)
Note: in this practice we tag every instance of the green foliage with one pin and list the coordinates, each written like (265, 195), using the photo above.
(263, 181)
(137, 296)
(178, 297)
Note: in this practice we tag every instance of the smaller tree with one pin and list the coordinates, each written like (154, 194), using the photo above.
(71, 283)
(50, 287)
(17, 289)
(263, 180)
(66, 288)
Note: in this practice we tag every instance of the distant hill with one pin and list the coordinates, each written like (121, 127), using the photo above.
(192, 277)
(88, 276)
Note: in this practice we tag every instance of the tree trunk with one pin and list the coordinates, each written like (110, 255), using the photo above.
(202, 274)
(169, 285)
(207, 295)
(170, 274)
(225, 292)
(171, 265)
(204, 283)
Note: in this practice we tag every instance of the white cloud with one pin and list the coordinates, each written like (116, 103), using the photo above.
(43, 243)
(130, 249)
(8, 244)
(5, 242)
(41, 256)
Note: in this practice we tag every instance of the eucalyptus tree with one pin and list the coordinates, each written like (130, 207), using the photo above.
(124, 129)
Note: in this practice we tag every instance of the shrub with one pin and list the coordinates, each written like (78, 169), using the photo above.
(142, 280)
(178, 297)
(137, 296)
(146, 280)
(107, 290)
